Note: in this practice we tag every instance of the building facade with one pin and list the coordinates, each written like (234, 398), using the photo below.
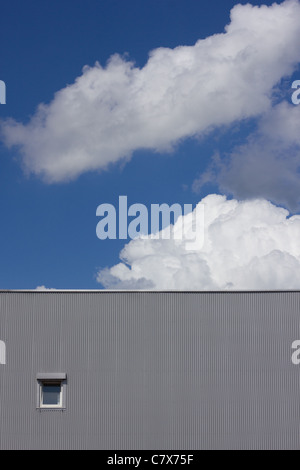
(149, 370)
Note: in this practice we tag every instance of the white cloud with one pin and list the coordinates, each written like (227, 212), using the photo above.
(110, 112)
(247, 245)
(267, 165)
(44, 288)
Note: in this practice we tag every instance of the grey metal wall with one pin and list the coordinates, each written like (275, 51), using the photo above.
(152, 370)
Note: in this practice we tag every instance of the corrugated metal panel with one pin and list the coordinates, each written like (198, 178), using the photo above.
(151, 370)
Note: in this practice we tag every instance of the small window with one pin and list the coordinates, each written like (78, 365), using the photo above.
(51, 391)
(51, 394)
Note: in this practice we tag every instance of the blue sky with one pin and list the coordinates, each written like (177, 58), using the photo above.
(48, 220)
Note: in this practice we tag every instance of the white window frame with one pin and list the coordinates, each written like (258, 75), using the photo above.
(50, 382)
(51, 378)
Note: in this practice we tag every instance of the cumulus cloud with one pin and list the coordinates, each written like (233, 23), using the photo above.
(249, 244)
(44, 288)
(267, 165)
(109, 112)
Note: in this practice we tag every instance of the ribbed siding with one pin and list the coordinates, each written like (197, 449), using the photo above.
(152, 370)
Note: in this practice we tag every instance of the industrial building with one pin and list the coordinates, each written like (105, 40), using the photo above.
(133, 370)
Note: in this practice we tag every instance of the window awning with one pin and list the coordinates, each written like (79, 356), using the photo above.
(51, 376)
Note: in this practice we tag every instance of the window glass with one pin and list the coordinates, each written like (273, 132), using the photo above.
(51, 393)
